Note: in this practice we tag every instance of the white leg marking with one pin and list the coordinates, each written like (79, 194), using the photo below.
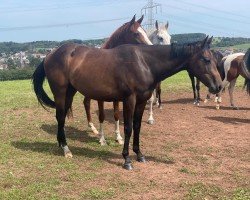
(101, 135)
(151, 101)
(67, 152)
(118, 134)
(93, 128)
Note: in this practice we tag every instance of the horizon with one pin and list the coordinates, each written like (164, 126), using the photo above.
(85, 20)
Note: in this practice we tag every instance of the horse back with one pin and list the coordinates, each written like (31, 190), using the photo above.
(232, 65)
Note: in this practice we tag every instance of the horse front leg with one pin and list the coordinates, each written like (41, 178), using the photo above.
(158, 94)
(86, 103)
(208, 97)
(191, 76)
(128, 112)
(151, 118)
(218, 100)
(230, 90)
(117, 127)
(198, 99)
(139, 109)
(101, 120)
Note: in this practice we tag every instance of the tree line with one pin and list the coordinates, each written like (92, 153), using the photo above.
(41, 46)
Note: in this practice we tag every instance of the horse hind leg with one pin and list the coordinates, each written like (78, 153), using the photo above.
(60, 117)
(119, 138)
(86, 103)
(101, 120)
(151, 118)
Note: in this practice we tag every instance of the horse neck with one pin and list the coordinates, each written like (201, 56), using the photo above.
(162, 63)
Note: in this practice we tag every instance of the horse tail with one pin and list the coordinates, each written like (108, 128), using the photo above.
(246, 71)
(38, 78)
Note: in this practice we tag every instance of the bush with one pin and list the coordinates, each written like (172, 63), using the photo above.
(16, 74)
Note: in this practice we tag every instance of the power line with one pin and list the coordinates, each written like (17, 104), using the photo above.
(60, 25)
(203, 25)
(201, 13)
(214, 9)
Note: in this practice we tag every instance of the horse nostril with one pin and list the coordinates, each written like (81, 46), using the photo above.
(219, 88)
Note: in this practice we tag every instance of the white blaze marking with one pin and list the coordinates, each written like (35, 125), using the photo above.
(144, 35)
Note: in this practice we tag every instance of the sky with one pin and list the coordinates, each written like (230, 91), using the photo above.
(34, 20)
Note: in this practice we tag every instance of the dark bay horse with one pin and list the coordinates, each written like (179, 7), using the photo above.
(127, 73)
(130, 33)
(232, 66)
(196, 82)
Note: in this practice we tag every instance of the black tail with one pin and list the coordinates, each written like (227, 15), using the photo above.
(38, 79)
(246, 66)
(247, 85)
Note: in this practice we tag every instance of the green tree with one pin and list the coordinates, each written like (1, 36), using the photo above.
(11, 64)
(34, 62)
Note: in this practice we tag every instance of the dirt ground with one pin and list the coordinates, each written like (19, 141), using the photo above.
(192, 153)
(192, 146)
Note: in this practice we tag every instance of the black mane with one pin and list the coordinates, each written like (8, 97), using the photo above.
(184, 50)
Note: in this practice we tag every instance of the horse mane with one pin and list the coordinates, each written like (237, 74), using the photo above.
(115, 38)
(184, 50)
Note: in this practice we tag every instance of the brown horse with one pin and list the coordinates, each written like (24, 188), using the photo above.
(130, 33)
(196, 86)
(232, 66)
(127, 73)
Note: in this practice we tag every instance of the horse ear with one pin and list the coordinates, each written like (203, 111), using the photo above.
(166, 26)
(209, 42)
(156, 25)
(140, 20)
(204, 42)
(132, 21)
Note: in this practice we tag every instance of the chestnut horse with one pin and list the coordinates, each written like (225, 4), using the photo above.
(127, 73)
(130, 33)
(232, 66)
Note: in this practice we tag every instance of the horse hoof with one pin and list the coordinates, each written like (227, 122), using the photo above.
(160, 107)
(68, 154)
(150, 122)
(66, 151)
(235, 108)
(205, 101)
(95, 131)
(141, 159)
(128, 166)
(120, 141)
(217, 107)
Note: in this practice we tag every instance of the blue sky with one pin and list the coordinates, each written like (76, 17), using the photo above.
(213, 17)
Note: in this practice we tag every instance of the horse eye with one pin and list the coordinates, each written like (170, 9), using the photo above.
(206, 60)
(136, 34)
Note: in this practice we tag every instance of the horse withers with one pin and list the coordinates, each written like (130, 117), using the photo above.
(127, 73)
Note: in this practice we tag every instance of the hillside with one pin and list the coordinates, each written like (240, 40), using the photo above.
(220, 42)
